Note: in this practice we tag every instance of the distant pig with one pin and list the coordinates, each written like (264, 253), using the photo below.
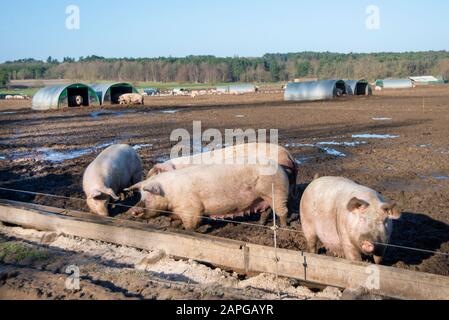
(218, 191)
(116, 168)
(76, 101)
(348, 219)
(130, 99)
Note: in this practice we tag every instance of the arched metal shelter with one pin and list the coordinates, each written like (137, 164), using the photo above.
(314, 90)
(60, 96)
(394, 83)
(110, 92)
(358, 88)
(239, 88)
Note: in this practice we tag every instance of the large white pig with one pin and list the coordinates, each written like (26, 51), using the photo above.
(115, 169)
(263, 152)
(349, 219)
(218, 191)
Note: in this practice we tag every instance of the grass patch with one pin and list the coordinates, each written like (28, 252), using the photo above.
(15, 252)
(28, 91)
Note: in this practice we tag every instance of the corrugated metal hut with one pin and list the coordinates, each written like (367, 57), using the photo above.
(68, 95)
(314, 90)
(358, 88)
(240, 88)
(394, 83)
(110, 92)
(426, 80)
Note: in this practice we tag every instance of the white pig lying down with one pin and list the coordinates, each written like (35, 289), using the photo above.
(216, 191)
(262, 151)
(115, 169)
(348, 219)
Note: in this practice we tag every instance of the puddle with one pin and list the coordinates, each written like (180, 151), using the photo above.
(47, 154)
(333, 152)
(373, 136)
(2, 158)
(57, 157)
(99, 113)
(299, 145)
(324, 146)
(8, 112)
(142, 146)
(382, 119)
(425, 145)
(344, 144)
(435, 177)
(302, 160)
(170, 111)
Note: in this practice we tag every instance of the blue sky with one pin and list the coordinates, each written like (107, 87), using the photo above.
(139, 28)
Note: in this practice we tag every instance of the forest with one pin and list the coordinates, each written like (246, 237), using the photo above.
(210, 69)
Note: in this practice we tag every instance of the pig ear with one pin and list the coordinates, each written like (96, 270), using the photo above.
(356, 205)
(111, 193)
(137, 186)
(392, 210)
(157, 169)
(152, 172)
(96, 195)
(154, 188)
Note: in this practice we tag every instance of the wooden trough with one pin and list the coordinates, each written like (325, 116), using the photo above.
(232, 254)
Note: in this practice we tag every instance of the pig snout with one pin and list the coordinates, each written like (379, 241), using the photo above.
(368, 247)
(99, 207)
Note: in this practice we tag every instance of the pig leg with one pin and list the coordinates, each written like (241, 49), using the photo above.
(311, 237)
(352, 253)
(190, 219)
(264, 216)
(312, 244)
(280, 209)
(378, 259)
(282, 212)
(176, 220)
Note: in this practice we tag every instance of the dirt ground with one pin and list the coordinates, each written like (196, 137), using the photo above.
(410, 165)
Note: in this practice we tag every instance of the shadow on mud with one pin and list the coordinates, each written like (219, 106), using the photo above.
(417, 231)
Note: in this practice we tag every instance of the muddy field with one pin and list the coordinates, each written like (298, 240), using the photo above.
(396, 142)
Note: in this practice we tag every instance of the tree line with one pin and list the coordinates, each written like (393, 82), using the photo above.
(211, 69)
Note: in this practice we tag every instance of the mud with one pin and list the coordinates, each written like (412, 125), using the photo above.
(393, 166)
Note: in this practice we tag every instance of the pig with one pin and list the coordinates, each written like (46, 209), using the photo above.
(349, 219)
(131, 99)
(115, 169)
(76, 101)
(217, 191)
(245, 151)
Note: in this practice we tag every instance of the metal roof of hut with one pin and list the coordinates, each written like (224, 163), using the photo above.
(358, 88)
(394, 83)
(238, 88)
(59, 96)
(314, 90)
(109, 92)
